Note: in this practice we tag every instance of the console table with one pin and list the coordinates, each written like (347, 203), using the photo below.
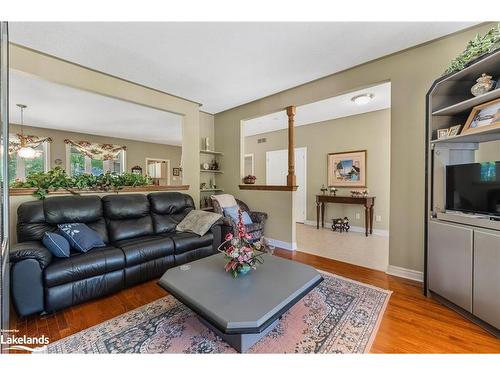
(367, 202)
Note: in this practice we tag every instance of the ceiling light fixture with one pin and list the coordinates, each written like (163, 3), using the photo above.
(25, 152)
(362, 99)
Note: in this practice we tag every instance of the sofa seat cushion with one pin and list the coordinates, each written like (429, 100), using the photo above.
(185, 241)
(78, 266)
(142, 249)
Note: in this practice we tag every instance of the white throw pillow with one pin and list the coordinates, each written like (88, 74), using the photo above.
(198, 222)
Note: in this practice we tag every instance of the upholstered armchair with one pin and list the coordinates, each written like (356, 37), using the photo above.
(255, 230)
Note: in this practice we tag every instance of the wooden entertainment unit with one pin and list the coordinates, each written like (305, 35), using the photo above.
(462, 251)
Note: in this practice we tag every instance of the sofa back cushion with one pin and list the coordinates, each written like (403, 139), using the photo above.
(127, 216)
(31, 224)
(34, 218)
(86, 209)
(168, 209)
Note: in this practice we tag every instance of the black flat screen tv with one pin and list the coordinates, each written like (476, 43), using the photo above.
(474, 188)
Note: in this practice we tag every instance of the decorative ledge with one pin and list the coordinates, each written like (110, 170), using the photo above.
(268, 187)
(125, 189)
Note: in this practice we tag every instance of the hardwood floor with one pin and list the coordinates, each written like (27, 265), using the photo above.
(412, 323)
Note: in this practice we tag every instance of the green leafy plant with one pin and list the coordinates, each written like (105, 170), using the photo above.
(54, 179)
(57, 178)
(477, 47)
(134, 179)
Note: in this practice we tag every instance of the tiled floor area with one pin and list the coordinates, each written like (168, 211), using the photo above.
(351, 247)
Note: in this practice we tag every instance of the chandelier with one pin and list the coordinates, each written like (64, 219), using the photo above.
(25, 152)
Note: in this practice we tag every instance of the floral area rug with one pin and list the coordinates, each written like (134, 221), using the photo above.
(339, 316)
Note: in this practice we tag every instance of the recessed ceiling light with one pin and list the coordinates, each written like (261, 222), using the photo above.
(362, 99)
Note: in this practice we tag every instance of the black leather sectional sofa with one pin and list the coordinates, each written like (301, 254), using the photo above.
(141, 244)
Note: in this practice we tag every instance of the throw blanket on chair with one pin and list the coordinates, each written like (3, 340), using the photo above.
(225, 200)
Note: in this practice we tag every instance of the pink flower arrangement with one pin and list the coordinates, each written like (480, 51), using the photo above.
(240, 254)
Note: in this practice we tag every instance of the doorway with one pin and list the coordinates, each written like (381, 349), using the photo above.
(277, 170)
(249, 168)
(158, 170)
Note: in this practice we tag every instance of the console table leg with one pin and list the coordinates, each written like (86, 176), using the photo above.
(323, 215)
(371, 219)
(367, 218)
(318, 204)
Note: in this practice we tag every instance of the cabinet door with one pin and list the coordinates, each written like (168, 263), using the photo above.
(450, 263)
(487, 276)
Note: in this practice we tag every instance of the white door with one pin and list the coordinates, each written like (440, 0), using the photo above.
(277, 170)
(276, 167)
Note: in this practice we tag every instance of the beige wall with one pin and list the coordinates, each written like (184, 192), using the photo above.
(369, 131)
(137, 151)
(411, 73)
(65, 73)
(207, 128)
(488, 151)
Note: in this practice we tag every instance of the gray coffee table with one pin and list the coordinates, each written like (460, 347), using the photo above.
(245, 309)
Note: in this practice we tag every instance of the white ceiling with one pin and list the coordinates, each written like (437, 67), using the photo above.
(54, 106)
(328, 109)
(223, 65)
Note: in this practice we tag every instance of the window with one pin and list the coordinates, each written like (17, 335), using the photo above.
(80, 164)
(20, 168)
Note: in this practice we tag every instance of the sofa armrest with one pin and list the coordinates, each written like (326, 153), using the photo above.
(258, 217)
(217, 231)
(30, 250)
(227, 221)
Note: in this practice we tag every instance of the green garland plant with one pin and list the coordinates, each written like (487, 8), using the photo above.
(57, 178)
(477, 47)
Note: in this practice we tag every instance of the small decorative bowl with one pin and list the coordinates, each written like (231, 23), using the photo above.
(249, 181)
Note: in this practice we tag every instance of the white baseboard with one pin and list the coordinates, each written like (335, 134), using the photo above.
(405, 273)
(282, 244)
(377, 232)
(310, 222)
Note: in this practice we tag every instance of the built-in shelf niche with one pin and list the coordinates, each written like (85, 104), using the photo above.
(210, 171)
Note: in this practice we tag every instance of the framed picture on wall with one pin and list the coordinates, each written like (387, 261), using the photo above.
(176, 172)
(347, 169)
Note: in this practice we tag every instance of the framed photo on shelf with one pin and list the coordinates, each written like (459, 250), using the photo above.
(454, 130)
(347, 169)
(482, 117)
(442, 133)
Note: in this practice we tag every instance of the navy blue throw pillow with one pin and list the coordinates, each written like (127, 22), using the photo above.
(57, 244)
(81, 237)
